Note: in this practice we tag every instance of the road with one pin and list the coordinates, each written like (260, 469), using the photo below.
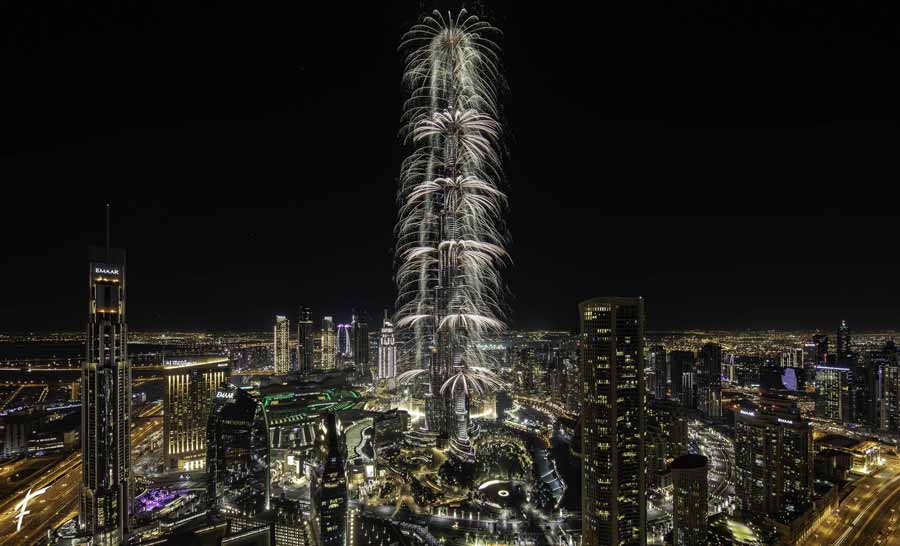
(866, 514)
(720, 453)
(61, 501)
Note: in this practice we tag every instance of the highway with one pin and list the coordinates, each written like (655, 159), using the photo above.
(61, 501)
(720, 452)
(865, 516)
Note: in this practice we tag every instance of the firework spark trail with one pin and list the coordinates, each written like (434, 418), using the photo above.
(450, 233)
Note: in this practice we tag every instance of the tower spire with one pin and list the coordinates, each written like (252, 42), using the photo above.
(107, 232)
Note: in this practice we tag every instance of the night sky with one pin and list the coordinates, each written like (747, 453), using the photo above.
(250, 154)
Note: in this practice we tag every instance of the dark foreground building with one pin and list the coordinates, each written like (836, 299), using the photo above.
(328, 492)
(691, 500)
(237, 454)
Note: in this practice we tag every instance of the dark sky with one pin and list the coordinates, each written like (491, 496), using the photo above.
(250, 153)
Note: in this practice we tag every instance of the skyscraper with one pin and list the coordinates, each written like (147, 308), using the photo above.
(844, 348)
(889, 401)
(450, 232)
(344, 349)
(821, 349)
(237, 452)
(670, 418)
(387, 351)
(106, 495)
(190, 385)
(680, 363)
(359, 332)
(613, 488)
(304, 341)
(329, 344)
(660, 370)
(833, 396)
(773, 453)
(690, 492)
(282, 345)
(709, 380)
(328, 490)
(867, 389)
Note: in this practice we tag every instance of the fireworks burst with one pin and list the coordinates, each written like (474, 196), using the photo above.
(450, 234)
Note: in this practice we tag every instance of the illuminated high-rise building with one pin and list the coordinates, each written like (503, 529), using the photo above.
(660, 371)
(709, 380)
(680, 363)
(237, 453)
(106, 494)
(833, 396)
(305, 341)
(773, 451)
(387, 351)
(450, 232)
(792, 358)
(282, 345)
(889, 400)
(190, 385)
(344, 350)
(690, 494)
(821, 349)
(328, 344)
(328, 489)
(613, 484)
(359, 332)
(844, 347)
(670, 419)
(867, 385)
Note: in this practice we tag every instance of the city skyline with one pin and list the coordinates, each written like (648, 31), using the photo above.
(511, 322)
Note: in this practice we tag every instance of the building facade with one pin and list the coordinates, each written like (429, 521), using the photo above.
(237, 453)
(328, 489)
(190, 386)
(359, 335)
(833, 396)
(844, 344)
(680, 363)
(328, 345)
(889, 400)
(387, 351)
(305, 341)
(774, 461)
(281, 348)
(690, 503)
(660, 371)
(614, 509)
(106, 495)
(709, 381)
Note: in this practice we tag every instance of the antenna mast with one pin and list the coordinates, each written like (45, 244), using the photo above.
(107, 232)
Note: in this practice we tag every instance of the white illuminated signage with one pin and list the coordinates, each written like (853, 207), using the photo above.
(105, 271)
(750, 413)
(21, 507)
(785, 421)
(227, 395)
